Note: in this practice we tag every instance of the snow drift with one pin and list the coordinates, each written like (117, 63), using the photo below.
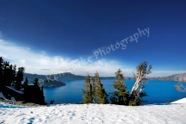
(94, 114)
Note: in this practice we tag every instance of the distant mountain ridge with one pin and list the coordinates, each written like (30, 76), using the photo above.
(59, 79)
(67, 76)
(56, 79)
(177, 77)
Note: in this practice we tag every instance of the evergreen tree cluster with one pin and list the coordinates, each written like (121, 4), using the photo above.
(95, 93)
(9, 76)
(7, 72)
(34, 93)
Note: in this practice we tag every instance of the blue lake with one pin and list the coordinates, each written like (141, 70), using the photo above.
(158, 91)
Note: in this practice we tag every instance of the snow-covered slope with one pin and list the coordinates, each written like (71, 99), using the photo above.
(95, 114)
(179, 101)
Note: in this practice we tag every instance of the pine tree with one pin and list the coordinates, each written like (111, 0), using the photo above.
(25, 83)
(120, 96)
(89, 92)
(10, 75)
(101, 95)
(14, 74)
(5, 73)
(1, 70)
(19, 78)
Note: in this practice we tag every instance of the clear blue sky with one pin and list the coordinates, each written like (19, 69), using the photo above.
(64, 31)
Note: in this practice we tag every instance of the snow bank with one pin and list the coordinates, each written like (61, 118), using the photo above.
(95, 114)
(179, 101)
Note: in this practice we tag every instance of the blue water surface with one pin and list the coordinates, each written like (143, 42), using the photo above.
(158, 91)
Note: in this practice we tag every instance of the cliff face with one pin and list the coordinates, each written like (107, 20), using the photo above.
(177, 77)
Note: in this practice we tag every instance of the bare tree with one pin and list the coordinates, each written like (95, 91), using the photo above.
(142, 71)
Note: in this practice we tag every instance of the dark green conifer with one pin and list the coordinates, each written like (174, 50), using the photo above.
(89, 92)
(101, 95)
(120, 96)
(19, 78)
(25, 83)
(1, 70)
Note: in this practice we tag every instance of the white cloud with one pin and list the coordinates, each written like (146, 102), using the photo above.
(41, 63)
